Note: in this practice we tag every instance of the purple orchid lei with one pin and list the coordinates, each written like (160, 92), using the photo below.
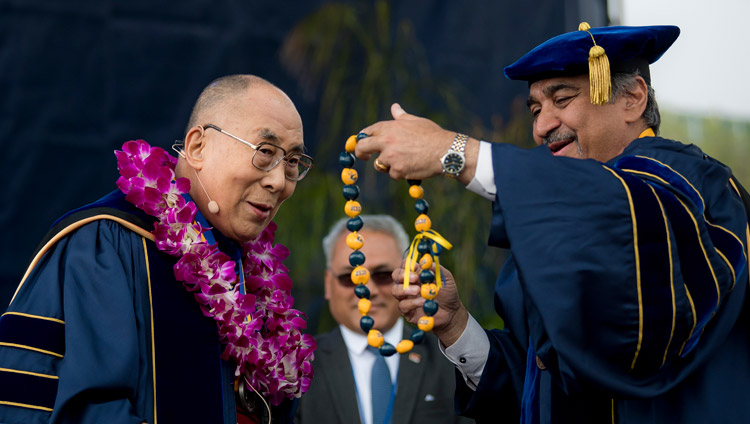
(259, 330)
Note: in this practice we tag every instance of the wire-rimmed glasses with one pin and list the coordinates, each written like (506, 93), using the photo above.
(267, 155)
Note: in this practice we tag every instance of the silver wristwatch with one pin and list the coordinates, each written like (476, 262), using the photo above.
(454, 160)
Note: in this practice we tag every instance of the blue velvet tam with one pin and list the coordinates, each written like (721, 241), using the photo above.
(628, 48)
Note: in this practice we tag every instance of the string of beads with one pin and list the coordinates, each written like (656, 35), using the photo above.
(426, 248)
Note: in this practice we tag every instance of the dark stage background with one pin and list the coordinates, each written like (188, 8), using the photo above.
(80, 77)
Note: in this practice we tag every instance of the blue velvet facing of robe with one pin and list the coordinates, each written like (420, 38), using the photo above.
(630, 281)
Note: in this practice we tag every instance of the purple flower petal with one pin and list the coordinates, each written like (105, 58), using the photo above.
(268, 346)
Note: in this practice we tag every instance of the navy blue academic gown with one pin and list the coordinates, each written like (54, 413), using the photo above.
(100, 331)
(625, 295)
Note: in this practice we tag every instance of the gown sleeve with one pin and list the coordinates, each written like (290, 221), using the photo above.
(626, 276)
(77, 325)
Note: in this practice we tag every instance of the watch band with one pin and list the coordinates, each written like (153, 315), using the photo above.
(459, 142)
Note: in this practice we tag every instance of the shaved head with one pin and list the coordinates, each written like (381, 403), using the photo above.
(219, 93)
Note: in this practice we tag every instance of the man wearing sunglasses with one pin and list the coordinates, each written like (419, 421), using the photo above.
(341, 391)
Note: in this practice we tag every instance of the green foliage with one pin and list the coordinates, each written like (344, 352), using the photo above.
(356, 62)
(723, 139)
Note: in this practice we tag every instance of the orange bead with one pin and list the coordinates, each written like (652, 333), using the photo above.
(364, 306)
(426, 323)
(354, 240)
(426, 261)
(423, 223)
(429, 291)
(375, 338)
(404, 346)
(416, 192)
(351, 143)
(360, 275)
(349, 176)
(352, 208)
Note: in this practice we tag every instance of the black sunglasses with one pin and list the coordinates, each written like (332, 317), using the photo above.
(381, 278)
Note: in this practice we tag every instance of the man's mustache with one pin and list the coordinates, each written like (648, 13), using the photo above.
(556, 136)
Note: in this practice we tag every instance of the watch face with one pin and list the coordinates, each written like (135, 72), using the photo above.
(453, 163)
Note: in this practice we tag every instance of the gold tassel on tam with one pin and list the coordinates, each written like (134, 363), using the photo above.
(600, 83)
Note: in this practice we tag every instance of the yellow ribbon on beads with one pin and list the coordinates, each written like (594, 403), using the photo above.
(413, 256)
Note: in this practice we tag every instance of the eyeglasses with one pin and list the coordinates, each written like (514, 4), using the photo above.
(381, 278)
(267, 155)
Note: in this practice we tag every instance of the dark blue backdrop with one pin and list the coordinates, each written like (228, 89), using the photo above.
(79, 77)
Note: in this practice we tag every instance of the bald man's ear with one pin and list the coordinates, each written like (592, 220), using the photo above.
(636, 99)
(195, 144)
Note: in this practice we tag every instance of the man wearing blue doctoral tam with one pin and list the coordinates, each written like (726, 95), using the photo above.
(628, 49)
(625, 295)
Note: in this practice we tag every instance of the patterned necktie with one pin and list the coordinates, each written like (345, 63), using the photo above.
(381, 386)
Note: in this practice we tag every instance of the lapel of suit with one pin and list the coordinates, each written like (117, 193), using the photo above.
(411, 369)
(338, 378)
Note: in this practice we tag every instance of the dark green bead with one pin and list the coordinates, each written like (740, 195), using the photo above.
(423, 247)
(351, 192)
(356, 258)
(413, 182)
(346, 159)
(422, 206)
(362, 291)
(366, 323)
(426, 276)
(417, 336)
(430, 307)
(362, 135)
(354, 224)
(387, 349)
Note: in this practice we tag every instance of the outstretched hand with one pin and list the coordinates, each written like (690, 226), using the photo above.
(451, 317)
(410, 146)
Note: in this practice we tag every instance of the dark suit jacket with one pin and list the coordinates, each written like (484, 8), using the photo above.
(332, 396)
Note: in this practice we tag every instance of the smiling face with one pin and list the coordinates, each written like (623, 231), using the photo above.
(248, 198)
(569, 125)
(382, 256)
